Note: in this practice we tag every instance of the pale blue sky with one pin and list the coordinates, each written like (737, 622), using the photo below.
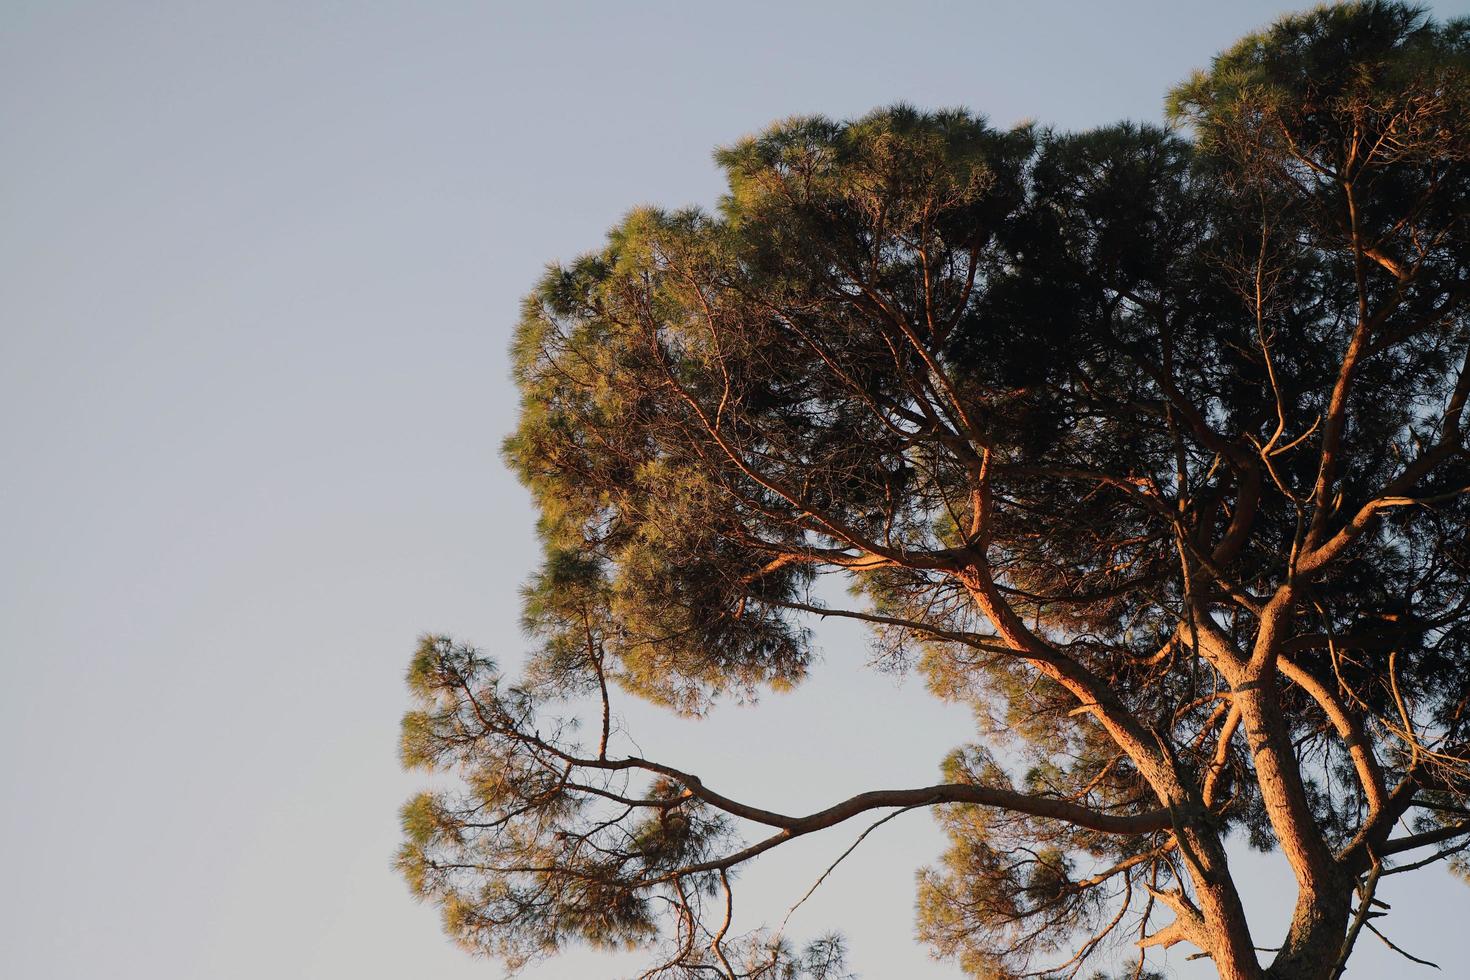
(259, 264)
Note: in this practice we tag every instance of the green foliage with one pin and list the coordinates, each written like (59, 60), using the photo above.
(1090, 425)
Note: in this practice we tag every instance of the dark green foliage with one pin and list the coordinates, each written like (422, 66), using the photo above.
(1108, 433)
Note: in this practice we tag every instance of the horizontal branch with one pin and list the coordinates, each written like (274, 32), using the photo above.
(1035, 806)
(976, 641)
(908, 799)
(1428, 837)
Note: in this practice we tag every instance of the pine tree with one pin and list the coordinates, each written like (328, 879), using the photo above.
(1146, 444)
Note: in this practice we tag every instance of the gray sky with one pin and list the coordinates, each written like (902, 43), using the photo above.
(259, 265)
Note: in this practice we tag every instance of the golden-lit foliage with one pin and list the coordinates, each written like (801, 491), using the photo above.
(1145, 445)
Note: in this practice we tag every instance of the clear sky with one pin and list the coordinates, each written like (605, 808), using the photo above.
(259, 265)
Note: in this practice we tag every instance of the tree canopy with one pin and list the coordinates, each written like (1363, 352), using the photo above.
(1144, 443)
